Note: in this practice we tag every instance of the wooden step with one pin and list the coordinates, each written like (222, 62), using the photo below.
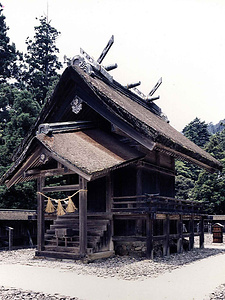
(72, 222)
(75, 250)
(57, 255)
(72, 256)
(94, 230)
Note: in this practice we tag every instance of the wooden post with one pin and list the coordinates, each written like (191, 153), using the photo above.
(157, 173)
(149, 236)
(40, 215)
(191, 237)
(180, 233)
(83, 216)
(166, 233)
(138, 228)
(10, 230)
(109, 196)
(201, 237)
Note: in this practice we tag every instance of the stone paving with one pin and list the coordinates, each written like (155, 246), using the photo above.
(126, 268)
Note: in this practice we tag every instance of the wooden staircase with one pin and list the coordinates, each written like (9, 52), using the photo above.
(62, 238)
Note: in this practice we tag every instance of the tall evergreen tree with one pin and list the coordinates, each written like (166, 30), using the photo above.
(197, 132)
(17, 114)
(8, 53)
(41, 60)
(187, 173)
(210, 188)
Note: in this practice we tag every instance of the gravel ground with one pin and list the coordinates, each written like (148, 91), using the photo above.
(126, 268)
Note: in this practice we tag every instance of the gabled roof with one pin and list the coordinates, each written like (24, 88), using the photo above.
(147, 128)
(138, 119)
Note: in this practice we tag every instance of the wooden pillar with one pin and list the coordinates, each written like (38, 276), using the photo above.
(83, 216)
(138, 228)
(201, 236)
(10, 230)
(40, 215)
(180, 233)
(191, 236)
(166, 233)
(109, 196)
(157, 173)
(149, 236)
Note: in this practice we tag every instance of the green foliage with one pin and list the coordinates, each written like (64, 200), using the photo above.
(18, 111)
(20, 102)
(41, 61)
(184, 181)
(22, 196)
(187, 173)
(8, 53)
(210, 188)
(197, 132)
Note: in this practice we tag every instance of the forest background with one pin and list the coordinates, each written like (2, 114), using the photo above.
(28, 79)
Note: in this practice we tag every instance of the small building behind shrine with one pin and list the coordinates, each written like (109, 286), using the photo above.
(110, 152)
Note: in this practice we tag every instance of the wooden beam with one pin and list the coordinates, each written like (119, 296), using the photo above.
(20, 172)
(83, 216)
(157, 168)
(62, 188)
(40, 215)
(47, 173)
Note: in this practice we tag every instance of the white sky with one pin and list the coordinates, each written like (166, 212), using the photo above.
(182, 41)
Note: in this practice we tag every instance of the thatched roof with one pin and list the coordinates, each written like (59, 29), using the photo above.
(120, 107)
(17, 214)
(91, 152)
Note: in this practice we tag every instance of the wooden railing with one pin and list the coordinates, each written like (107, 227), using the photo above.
(152, 203)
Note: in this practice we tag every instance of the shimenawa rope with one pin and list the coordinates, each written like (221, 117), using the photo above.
(50, 208)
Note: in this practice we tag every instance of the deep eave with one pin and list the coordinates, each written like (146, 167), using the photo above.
(122, 109)
(90, 153)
